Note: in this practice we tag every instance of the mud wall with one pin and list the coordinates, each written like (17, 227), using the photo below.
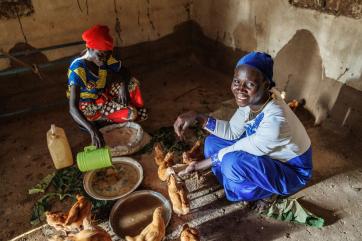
(48, 23)
(315, 53)
(349, 8)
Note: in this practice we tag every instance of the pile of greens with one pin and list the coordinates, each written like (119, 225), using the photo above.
(64, 183)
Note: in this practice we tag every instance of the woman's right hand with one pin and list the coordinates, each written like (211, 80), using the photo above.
(196, 166)
(97, 138)
(184, 121)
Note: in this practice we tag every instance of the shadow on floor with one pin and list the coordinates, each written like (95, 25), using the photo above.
(336, 149)
(242, 225)
(329, 216)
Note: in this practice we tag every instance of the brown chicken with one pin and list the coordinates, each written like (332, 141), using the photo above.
(77, 220)
(91, 233)
(194, 154)
(165, 169)
(56, 220)
(79, 213)
(159, 153)
(178, 195)
(189, 234)
(195, 151)
(155, 231)
(293, 104)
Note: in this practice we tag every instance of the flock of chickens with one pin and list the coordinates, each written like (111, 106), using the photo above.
(177, 192)
(77, 224)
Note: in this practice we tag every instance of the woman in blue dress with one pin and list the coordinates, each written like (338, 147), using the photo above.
(263, 150)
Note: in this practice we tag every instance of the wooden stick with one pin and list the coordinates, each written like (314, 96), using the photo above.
(33, 67)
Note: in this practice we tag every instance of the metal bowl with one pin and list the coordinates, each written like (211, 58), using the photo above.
(88, 179)
(131, 214)
(135, 143)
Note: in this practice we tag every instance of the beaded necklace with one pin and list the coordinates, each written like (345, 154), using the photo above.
(254, 113)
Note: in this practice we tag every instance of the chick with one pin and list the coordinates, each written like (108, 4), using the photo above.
(79, 213)
(178, 195)
(165, 169)
(155, 231)
(194, 154)
(159, 154)
(189, 234)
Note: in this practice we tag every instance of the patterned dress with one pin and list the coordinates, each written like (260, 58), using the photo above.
(98, 101)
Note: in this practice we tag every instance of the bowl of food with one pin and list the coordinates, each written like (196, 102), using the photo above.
(131, 214)
(124, 138)
(114, 182)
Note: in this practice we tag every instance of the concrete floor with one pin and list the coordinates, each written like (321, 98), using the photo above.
(334, 192)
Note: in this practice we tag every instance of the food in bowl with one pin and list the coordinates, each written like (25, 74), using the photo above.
(115, 180)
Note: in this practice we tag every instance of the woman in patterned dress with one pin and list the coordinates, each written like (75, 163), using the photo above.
(100, 89)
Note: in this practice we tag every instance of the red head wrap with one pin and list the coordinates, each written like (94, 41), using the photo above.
(98, 37)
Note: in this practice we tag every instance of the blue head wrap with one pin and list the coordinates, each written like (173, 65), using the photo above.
(262, 62)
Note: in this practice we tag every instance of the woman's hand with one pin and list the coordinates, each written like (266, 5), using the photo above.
(184, 121)
(189, 169)
(97, 138)
(196, 166)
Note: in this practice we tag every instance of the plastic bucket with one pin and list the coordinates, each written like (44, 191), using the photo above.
(92, 158)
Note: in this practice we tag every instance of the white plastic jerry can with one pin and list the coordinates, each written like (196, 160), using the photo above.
(59, 147)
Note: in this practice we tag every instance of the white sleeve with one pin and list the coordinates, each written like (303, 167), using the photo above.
(272, 133)
(228, 130)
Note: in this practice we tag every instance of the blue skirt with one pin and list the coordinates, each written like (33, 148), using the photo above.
(246, 177)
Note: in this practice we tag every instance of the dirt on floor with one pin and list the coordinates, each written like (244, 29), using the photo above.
(334, 192)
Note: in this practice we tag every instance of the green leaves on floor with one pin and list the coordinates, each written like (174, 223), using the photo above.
(291, 210)
(43, 185)
(59, 185)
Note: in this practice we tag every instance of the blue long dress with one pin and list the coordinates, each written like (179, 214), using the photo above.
(254, 159)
